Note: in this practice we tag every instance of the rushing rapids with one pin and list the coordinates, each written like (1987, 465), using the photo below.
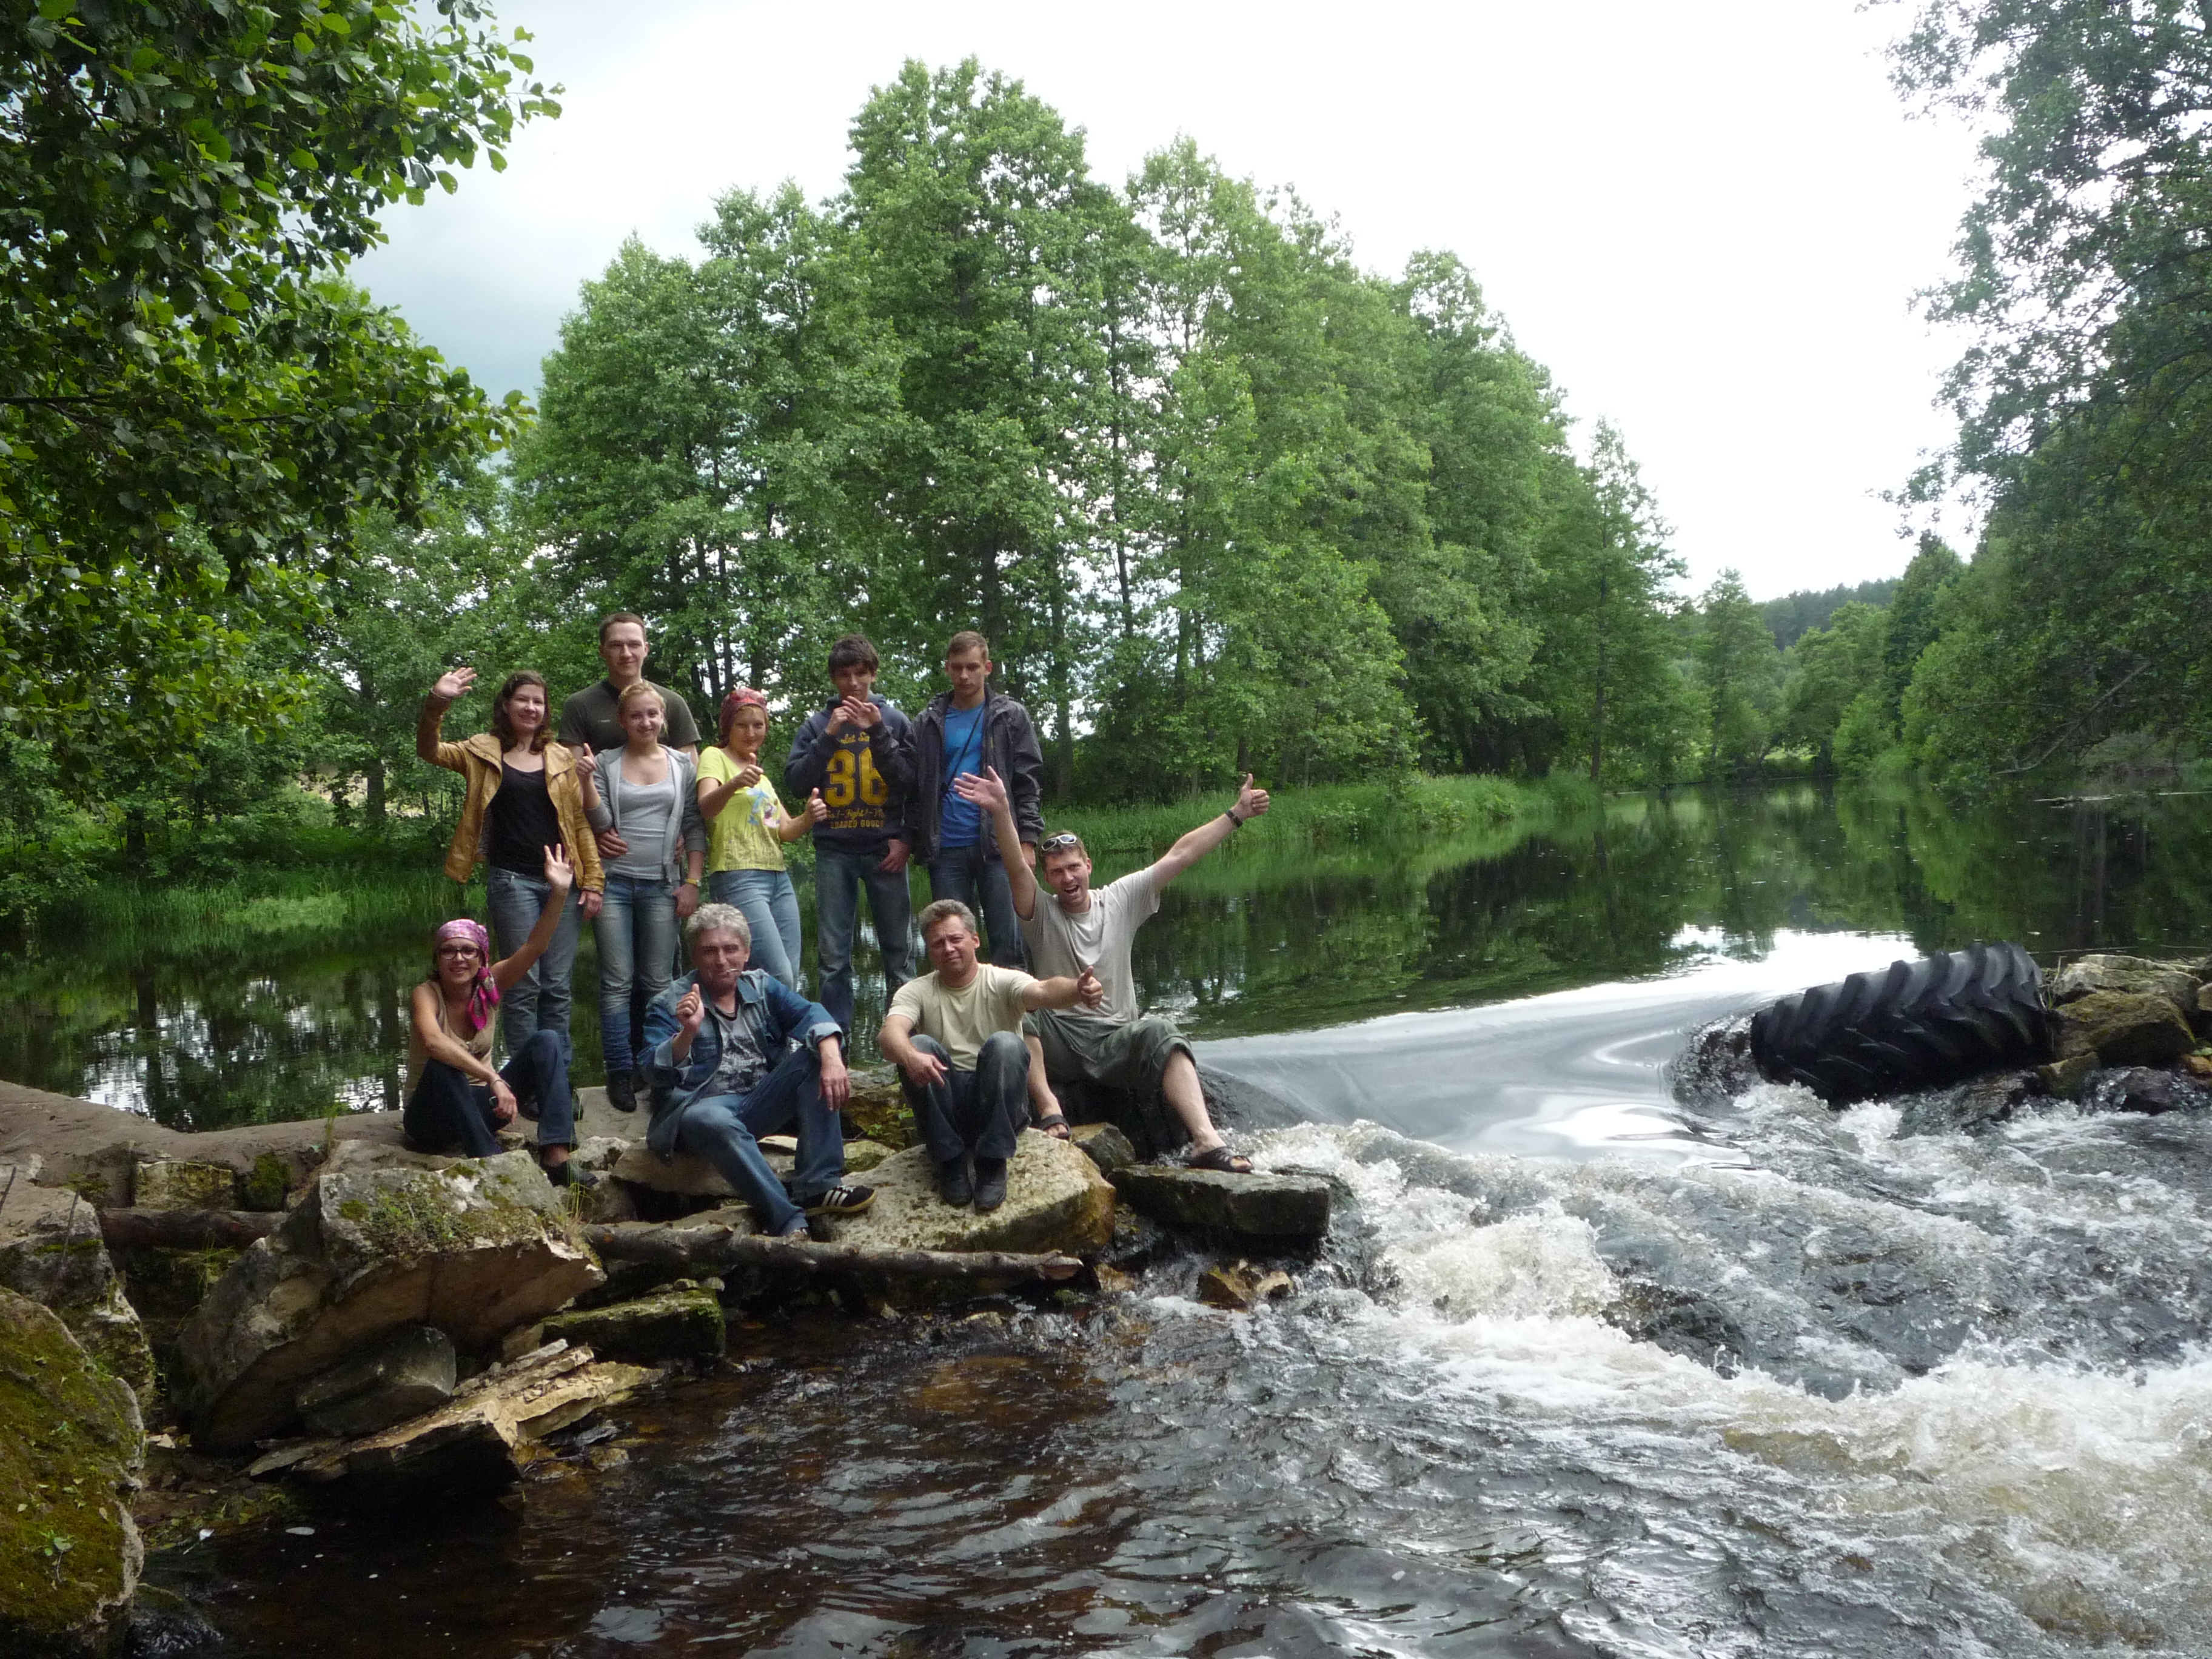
(1746, 1376)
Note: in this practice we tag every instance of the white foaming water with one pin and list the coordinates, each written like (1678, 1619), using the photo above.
(2077, 1499)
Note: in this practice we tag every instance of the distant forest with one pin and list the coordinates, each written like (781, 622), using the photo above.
(1794, 615)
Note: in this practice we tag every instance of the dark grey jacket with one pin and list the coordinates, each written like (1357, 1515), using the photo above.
(1010, 749)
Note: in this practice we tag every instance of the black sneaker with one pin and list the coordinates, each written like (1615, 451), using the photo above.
(559, 1173)
(990, 1182)
(952, 1181)
(621, 1091)
(843, 1200)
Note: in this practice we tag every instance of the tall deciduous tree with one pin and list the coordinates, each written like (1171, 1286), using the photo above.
(1738, 669)
(174, 182)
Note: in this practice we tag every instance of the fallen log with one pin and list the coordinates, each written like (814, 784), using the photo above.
(717, 1248)
(187, 1230)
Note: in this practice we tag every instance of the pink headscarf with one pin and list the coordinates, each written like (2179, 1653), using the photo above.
(741, 697)
(484, 995)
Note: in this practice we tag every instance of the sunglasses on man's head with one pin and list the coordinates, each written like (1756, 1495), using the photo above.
(1059, 843)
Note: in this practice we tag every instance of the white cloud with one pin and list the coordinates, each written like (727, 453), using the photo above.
(1708, 219)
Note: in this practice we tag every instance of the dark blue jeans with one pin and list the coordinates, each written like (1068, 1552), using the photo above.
(450, 1110)
(974, 1113)
(636, 933)
(838, 877)
(979, 881)
(540, 999)
(725, 1130)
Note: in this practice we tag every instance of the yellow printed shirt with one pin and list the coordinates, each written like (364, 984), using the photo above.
(856, 793)
(743, 837)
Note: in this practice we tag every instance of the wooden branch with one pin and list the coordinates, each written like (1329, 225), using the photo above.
(715, 1248)
(188, 1230)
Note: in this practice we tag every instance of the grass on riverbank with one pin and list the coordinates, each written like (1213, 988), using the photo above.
(1332, 815)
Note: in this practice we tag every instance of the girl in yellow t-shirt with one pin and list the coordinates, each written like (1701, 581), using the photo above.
(746, 828)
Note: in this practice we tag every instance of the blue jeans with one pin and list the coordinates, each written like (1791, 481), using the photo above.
(724, 1129)
(636, 930)
(538, 1001)
(771, 908)
(451, 1109)
(838, 877)
(976, 1114)
(979, 881)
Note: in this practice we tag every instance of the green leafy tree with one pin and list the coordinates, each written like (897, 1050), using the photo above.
(173, 186)
(1825, 674)
(1737, 668)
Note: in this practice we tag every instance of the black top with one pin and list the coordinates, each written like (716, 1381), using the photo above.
(523, 822)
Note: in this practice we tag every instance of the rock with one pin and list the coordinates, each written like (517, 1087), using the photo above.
(682, 1323)
(2138, 976)
(876, 1109)
(176, 1183)
(71, 1447)
(862, 1156)
(2142, 1089)
(1057, 1200)
(478, 1438)
(1970, 1106)
(353, 1158)
(684, 1175)
(607, 1201)
(475, 1250)
(1112, 1281)
(409, 1372)
(1276, 1206)
(1241, 1287)
(2197, 1066)
(266, 1184)
(599, 1152)
(50, 1251)
(2067, 1077)
(1104, 1144)
(2123, 1028)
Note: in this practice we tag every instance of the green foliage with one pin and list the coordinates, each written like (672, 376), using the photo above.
(1795, 615)
(190, 412)
(2085, 401)
(1738, 674)
(1826, 674)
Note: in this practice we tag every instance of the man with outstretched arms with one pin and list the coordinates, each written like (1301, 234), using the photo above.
(962, 732)
(956, 1035)
(857, 753)
(1076, 930)
(734, 1055)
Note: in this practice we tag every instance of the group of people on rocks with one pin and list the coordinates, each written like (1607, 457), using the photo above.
(619, 817)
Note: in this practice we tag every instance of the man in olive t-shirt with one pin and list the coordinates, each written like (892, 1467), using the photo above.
(590, 718)
(955, 1036)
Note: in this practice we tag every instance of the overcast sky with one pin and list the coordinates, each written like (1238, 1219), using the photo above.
(1708, 217)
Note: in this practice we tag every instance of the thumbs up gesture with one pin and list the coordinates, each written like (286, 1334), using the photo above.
(1250, 802)
(1088, 991)
(817, 808)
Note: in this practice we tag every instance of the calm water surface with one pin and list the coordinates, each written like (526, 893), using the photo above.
(1581, 1370)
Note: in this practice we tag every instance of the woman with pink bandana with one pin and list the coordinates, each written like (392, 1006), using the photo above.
(456, 1100)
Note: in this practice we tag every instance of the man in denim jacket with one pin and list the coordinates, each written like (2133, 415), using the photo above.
(734, 1055)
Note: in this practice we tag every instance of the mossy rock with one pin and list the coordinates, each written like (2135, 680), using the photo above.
(682, 1323)
(71, 1446)
(265, 1186)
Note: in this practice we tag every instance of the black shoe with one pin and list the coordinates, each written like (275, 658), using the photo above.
(621, 1091)
(559, 1173)
(990, 1182)
(842, 1200)
(952, 1181)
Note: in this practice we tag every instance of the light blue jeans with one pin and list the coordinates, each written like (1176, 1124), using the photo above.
(838, 877)
(538, 1001)
(723, 1130)
(636, 930)
(770, 904)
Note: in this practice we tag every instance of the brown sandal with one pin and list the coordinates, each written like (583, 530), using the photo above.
(1220, 1159)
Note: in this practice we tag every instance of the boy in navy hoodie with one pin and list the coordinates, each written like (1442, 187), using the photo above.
(857, 753)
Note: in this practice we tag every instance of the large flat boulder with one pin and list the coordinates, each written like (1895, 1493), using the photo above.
(2123, 1028)
(410, 1372)
(475, 1250)
(1262, 1206)
(1057, 1200)
(50, 1251)
(71, 1445)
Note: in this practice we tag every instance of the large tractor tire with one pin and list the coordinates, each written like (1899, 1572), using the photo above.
(1915, 1025)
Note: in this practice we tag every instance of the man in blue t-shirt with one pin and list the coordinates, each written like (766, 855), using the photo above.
(966, 731)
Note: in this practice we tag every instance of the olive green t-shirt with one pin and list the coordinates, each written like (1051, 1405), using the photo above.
(962, 1019)
(590, 719)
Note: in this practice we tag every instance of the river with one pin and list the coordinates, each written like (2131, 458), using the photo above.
(1582, 1368)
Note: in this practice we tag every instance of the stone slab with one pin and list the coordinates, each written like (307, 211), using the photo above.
(1057, 1200)
(1273, 1206)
